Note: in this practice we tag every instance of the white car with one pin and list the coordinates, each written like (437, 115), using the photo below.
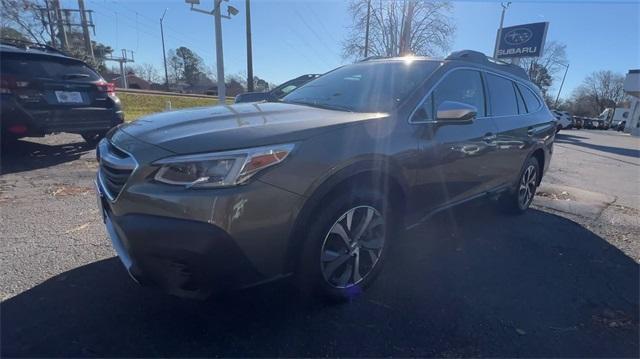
(563, 119)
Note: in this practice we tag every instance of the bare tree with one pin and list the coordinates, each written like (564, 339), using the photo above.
(543, 71)
(600, 90)
(400, 27)
(147, 72)
(26, 17)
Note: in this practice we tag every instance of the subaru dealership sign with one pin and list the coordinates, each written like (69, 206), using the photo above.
(522, 40)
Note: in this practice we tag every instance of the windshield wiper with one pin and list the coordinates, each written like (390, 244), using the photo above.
(322, 105)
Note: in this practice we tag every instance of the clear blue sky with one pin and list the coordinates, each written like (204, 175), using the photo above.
(291, 38)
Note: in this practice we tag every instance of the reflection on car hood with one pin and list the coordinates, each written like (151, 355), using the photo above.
(218, 128)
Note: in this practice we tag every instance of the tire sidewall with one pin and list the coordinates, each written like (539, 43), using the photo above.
(531, 161)
(309, 273)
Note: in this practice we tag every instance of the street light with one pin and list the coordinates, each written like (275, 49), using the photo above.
(566, 69)
(505, 6)
(231, 11)
(164, 53)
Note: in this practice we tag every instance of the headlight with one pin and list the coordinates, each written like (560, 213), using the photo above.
(219, 169)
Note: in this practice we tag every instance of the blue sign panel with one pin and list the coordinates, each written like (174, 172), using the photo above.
(525, 40)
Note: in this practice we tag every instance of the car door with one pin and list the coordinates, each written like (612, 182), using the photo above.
(516, 128)
(454, 158)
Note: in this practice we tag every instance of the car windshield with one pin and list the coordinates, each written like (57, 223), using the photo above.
(365, 86)
(45, 68)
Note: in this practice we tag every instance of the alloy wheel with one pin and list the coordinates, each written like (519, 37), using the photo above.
(527, 188)
(352, 247)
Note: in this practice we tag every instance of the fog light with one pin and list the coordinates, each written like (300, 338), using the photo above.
(17, 129)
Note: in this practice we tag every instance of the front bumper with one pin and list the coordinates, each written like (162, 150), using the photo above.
(169, 240)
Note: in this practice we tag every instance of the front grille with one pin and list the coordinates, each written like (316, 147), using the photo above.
(116, 167)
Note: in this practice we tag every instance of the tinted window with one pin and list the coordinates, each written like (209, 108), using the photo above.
(460, 86)
(364, 87)
(521, 106)
(503, 96)
(55, 69)
(529, 98)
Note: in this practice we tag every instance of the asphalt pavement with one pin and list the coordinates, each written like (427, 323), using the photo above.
(559, 281)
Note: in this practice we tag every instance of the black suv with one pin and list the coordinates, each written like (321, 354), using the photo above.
(44, 91)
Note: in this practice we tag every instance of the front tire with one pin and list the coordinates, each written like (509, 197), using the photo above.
(346, 245)
(518, 201)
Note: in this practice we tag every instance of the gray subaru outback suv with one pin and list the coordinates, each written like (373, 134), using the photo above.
(317, 184)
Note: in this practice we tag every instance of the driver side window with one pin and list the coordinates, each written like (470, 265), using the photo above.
(463, 86)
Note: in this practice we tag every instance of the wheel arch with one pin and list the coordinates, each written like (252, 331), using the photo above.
(373, 173)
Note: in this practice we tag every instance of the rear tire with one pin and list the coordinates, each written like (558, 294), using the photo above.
(346, 245)
(93, 138)
(518, 201)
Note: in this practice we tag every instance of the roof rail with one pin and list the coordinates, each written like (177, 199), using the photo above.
(31, 45)
(480, 58)
(369, 58)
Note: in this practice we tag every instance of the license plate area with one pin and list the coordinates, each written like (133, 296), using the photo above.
(69, 96)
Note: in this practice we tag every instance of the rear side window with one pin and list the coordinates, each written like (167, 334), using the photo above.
(53, 69)
(530, 99)
(503, 96)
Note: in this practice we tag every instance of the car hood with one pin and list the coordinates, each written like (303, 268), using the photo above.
(217, 128)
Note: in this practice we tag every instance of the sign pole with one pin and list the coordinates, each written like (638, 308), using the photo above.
(499, 35)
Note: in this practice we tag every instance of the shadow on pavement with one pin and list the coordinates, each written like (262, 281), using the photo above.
(23, 155)
(469, 283)
(576, 140)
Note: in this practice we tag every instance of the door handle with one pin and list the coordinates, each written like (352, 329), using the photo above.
(489, 138)
(530, 131)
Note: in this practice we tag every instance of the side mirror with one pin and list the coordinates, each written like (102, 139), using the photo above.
(452, 111)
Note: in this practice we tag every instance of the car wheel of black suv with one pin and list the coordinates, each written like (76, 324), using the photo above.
(518, 201)
(93, 138)
(346, 245)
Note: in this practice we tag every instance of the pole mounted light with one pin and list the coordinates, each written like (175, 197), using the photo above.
(505, 6)
(566, 69)
(217, 15)
(164, 53)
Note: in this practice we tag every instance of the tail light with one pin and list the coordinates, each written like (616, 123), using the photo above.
(17, 129)
(108, 87)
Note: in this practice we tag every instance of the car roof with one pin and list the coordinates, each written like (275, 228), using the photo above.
(27, 48)
(466, 57)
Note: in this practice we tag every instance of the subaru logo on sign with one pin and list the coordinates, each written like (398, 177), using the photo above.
(526, 40)
(518, 36)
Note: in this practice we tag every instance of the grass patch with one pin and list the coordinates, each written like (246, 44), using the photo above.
(138, 105)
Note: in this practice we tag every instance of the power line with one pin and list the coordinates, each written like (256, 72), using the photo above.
(119, 17)
(306, 24)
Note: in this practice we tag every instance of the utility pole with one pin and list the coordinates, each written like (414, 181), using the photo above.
(62, 32)
(46, 12)
(218, 29)
(249, 49)
(164, 53)
(85, 29)
(566, 69)
(499, 35)
(63, 21)
(122, 61)
(366, 31)
(222, 89)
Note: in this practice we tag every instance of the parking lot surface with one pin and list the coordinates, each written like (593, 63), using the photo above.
(561, 280)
